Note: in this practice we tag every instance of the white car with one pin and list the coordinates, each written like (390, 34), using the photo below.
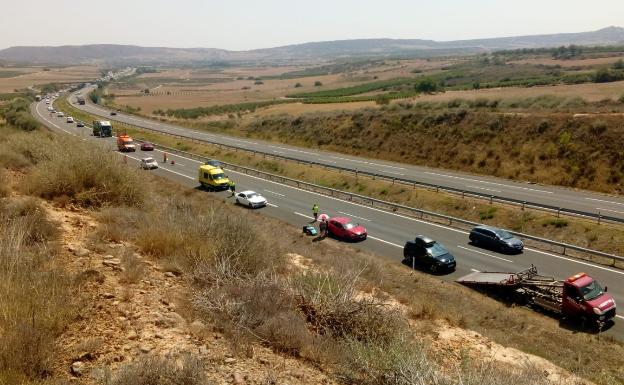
(50, 108)
(251, 199)
(70, 119)
(148, 163)
(60, 115)
(47, 102)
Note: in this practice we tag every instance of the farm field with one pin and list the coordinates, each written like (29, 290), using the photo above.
(589, 91)
(189, 88)
(589, 62)
(36, 76)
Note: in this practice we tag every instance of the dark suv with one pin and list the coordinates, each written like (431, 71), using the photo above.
(424, 251)
(496, 239)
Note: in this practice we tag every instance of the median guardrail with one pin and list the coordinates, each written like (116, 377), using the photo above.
(599, 217)
(560, 247)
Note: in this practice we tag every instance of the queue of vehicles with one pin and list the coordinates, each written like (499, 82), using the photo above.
(579, 297)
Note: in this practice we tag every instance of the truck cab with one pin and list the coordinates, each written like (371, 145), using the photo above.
(583, 297)
(102, 128)
(213, 178)
(125, 143)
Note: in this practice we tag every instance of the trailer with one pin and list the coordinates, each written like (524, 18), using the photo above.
(578, 297)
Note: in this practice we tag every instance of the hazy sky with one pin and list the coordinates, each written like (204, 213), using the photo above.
(245, 24)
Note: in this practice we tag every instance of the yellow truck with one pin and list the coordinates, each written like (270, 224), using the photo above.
(213, 178)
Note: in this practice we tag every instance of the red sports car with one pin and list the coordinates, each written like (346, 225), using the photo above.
(147, 146)
(343, 228)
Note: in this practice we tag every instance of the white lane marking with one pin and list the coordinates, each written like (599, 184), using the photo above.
(619, 316)
(384, 241)
(354, 216)
(162, 168)
(303, 215)
(604, 201)
(613, 211)
(278, 152)
(293, 150)
(405, 217)
(576, 261)
(365, 162)
(353, 203)
(486, 254)
(487, 182)
(483, 188)
(179, 156)
(392, 172)
(475, 270)
(271, 204)
(273, 192)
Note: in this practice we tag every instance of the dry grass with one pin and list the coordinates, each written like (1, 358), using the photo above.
(36, 297)
(152, 370)
(88, 177)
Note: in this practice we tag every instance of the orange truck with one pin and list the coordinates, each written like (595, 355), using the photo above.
(125, 143)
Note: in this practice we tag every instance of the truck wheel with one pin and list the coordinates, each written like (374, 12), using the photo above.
(433, 268)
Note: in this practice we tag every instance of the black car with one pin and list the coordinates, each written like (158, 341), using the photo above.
(79, 124)
(424, 251)
(113, 112)
(214, 163)
(496, 239)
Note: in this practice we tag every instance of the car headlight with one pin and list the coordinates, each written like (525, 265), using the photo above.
(597, 311)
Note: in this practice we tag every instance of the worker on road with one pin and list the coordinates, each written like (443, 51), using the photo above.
(164, 157)
(323, 228)
(232, 186)
(315, 211)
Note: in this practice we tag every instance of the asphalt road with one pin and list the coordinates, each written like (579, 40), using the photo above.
(584, 201)
(387, 231)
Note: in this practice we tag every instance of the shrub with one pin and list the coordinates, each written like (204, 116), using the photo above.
(153, 370)
(487, 214)
(555, 222)
(88, 176)
(426, 86)
(298, 85)
(317, 84)
(598, 127)
(621, 99)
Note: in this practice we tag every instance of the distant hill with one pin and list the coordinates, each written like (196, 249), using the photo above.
(128, 54)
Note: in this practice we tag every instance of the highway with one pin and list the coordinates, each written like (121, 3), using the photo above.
(387, 231)
(570, 199)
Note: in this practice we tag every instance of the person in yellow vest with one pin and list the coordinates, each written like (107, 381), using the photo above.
(315, 211)
(232, 187)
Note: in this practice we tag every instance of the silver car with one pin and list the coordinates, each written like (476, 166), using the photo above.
(148, 163)
(251, 199)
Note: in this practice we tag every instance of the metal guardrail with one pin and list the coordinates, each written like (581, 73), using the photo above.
(404, 181)
(392, 207)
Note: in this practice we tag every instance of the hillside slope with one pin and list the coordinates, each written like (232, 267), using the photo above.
(128, 54)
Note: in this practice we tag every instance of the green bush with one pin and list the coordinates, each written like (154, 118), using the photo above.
(555, 222)
(17, 114)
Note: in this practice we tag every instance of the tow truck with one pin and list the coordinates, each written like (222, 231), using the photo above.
(579, 297)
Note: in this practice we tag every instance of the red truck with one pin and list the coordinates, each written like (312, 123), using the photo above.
(579, 297)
